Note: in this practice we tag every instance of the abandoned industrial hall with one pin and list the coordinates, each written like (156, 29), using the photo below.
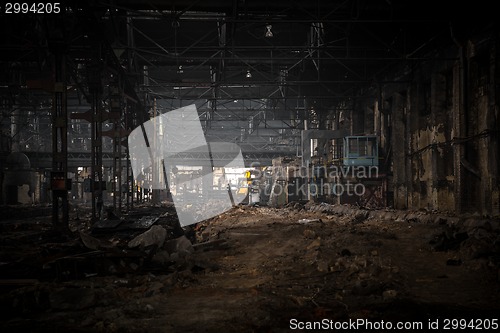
(249, 166)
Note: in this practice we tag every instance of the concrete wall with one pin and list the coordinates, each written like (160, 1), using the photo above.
(438, 125)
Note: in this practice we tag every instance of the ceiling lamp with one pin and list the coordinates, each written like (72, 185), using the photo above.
(249, 75)
(180, 70)
(269, 33)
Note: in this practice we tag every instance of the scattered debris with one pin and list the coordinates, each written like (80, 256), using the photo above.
(106, 224)
(72, 298)
(389, 294)
(448, 240)
(154, 236)
(95, 243)
(182, 246)
(453, 262)
(216, 244)
(306, 221)
(345, 253)
(305, 260)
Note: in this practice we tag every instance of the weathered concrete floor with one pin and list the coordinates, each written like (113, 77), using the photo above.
(274, 265)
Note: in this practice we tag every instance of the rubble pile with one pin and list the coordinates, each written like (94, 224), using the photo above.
(141, 256)
(475, 238)
(249, 269)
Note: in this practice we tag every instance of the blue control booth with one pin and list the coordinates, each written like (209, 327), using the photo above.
(360, 151)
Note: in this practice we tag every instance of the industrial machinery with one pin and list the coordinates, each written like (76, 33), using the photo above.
(347, 172)
(252, 185)
(352, 175)
(360, 151)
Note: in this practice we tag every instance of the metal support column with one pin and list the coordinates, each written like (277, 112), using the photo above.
(59, 183)
(95, 86)
(129, 182)
(459, 127)
(155, 166)
(116, 115)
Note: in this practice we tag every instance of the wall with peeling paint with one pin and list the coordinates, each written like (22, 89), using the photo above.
(438, 126)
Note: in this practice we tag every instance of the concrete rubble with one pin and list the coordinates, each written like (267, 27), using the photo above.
(154, 236)
(250, 269)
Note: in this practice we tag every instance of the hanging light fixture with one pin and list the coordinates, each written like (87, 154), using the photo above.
(269, 33)
(249, 75)
(180, 70)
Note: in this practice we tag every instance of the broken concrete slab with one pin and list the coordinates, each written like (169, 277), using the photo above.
(161, 257)
(94, 243)
(181, 245)
(154, 236)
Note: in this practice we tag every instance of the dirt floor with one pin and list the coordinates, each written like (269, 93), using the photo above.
(251, 269)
